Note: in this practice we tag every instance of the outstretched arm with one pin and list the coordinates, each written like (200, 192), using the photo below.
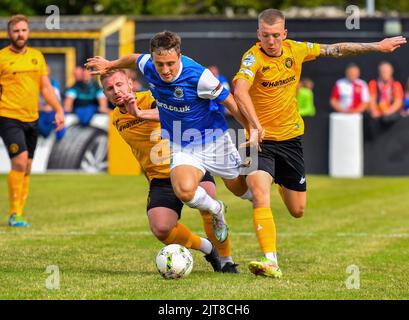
(100, 66)
(345, 49)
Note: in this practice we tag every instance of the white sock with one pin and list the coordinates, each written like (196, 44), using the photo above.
(224, 260)
(247, 195)
(205, 246)
(272, 256)
(203, 201)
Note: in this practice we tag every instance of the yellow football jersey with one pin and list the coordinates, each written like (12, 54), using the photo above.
(143, 136)
(273, 88)
(20, 78)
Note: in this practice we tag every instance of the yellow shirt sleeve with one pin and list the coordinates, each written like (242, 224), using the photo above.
(144, 100)
(308, 51)
(250, 63)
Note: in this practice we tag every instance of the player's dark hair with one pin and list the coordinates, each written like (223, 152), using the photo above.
(16, 19)
(306, 82)
(165, 41)
(352, 65)
(271, 16)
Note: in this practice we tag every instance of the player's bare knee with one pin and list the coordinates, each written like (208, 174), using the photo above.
(185, 195)
(297, 212)
(19, 167)
(20, 162)
(161, 231)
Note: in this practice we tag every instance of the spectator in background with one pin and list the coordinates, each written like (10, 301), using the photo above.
(223, 80)
(305, 98)
(136, 83)
(350, 94)
(78, 74)
(386, 95)
(225, 83)
(46, 112)
(85, 98)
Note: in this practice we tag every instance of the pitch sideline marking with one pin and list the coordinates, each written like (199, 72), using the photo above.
(245, 234)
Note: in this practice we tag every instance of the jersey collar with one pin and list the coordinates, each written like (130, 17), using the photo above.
(262, 50)
(15, 52)
(180, 70)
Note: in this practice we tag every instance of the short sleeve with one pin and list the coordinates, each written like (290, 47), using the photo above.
(305, 51)
(100, 94)
(373, 91)
(209, 87)
(335, 92)
(141, 62)
(144, 100)
(312, 51)
(365, 92)
(71, 92)
(398, 91)
(248, 68)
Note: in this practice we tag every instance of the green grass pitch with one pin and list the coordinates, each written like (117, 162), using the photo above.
(94, 228)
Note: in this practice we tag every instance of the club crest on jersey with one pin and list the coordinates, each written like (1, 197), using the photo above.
(249, 60)
(288, 63)
(265, 69)
(34, 61)
(178, 93)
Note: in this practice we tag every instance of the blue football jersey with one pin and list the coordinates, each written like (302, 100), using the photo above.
(188, 106)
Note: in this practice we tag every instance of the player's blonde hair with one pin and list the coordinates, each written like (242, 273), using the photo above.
(271, 16)
(111, 73)
(16, 19)
(165, 41)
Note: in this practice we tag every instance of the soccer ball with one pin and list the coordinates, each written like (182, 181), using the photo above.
(174, 262)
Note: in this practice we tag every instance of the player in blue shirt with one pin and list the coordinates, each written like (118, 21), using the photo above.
(187, 95)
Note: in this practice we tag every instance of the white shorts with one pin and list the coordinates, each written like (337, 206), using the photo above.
(220, 158)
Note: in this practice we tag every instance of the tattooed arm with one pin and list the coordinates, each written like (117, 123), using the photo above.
(344, 49)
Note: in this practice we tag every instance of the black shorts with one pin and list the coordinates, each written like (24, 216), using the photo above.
(284, 161)
(161, 194)
(19, 136)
